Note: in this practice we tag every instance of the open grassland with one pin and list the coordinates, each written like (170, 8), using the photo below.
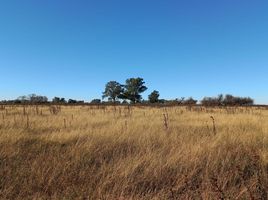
(82, 152)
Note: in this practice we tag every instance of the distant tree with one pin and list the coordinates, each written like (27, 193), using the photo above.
(247, 101)
(162, 101)
(95, 101)
(62, 100)
(213, 101)
(220, 99)
(227, 100)
(32, 98)
(22, 99)
(154, 97)
(190, 101)
(58, 100)
(180, 101)
(37, 98)
(113, 90)
(231, 100)
(72, 101)
(132, 89)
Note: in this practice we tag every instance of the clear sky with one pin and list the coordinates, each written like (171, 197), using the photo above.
(71, 48)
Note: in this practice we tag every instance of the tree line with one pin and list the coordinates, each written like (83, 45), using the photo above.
(130, 93)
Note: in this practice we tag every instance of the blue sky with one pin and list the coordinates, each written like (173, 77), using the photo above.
(182, 48)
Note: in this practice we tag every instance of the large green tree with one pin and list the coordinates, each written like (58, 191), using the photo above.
(113, 90)
(133, 89)
(154, 97)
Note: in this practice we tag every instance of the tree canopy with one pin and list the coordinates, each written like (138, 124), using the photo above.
(154, 97)
(133, 89)
(113, 90)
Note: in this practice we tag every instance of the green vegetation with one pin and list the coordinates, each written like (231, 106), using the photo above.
(130, 93)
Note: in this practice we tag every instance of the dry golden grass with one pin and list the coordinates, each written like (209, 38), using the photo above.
(121, 153)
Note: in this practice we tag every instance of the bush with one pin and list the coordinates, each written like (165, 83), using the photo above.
(227, 100)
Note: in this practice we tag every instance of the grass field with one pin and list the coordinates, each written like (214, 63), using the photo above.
(83, 152)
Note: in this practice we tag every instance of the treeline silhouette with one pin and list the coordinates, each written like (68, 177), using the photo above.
(130, 93)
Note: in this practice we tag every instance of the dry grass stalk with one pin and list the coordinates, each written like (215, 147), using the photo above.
(214, 125)
(165, 120)
(27, 121)
(64, 122)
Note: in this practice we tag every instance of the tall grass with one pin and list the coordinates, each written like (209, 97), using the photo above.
(133, 153)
